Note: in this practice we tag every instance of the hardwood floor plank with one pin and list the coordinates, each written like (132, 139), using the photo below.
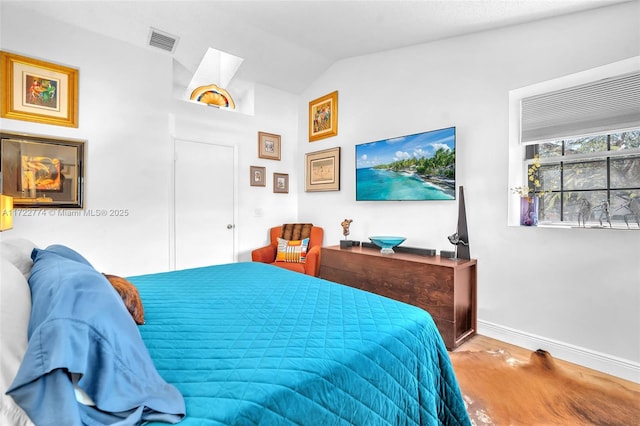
(483, 343)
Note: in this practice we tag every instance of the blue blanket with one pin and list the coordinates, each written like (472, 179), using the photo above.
(250, 343)
(80, 326)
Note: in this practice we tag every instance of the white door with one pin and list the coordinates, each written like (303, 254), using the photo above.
(203, 204)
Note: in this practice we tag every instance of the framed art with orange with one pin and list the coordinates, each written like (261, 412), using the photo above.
(38, 91)
(323, 117)
(42, 171)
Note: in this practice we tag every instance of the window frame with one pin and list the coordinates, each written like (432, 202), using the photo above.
(565, 191)
(520, 154)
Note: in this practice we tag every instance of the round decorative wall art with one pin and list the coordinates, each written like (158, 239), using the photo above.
(213, 95)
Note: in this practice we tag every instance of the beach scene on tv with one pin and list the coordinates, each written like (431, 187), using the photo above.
(421, 166)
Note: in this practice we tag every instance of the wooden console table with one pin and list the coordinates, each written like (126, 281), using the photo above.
(444, 288)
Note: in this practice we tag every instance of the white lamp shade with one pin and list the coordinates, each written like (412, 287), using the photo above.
(6, 212)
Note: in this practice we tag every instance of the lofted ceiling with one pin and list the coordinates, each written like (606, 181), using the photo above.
(288, 44)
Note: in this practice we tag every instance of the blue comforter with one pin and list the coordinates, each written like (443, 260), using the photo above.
(250, 343)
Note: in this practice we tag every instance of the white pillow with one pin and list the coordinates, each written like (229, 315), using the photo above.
(18, 252)
(15, 310)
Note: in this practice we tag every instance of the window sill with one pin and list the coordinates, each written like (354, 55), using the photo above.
(614, 226)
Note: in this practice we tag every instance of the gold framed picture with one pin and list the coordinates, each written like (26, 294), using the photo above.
(268, 146)
(42, 171)
(39, 91)
(258, 176)
(323, 170)
(281, 183)
(323, 117)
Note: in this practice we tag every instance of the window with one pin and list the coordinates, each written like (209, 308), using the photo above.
(584, 132)
(589, 181)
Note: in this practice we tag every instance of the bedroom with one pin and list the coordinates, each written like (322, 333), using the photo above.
(574, 292)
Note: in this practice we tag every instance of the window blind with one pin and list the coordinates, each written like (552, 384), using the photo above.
(600, 106)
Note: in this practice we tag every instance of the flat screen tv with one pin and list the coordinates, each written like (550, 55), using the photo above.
(421, 166)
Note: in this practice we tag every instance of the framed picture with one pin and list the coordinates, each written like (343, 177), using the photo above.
(323, 170)
(281, 183)
(323, 117)
(258, 176)
(41, 171)
(34, 90)
(268, 146)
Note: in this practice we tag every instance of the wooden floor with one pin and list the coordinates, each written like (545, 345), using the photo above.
(483, 343)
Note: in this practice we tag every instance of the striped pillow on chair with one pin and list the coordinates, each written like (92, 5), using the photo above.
(292, 250)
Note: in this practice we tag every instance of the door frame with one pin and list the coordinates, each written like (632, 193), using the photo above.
(172, 197)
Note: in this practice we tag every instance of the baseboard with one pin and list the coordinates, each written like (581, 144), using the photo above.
(608, 364)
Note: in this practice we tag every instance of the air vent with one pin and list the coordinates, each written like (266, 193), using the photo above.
(162, 40)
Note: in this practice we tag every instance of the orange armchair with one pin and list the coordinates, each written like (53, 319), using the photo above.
(311, 266)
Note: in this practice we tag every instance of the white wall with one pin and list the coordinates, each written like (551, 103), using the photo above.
(129, 119)
(123, 101)
(576, 291)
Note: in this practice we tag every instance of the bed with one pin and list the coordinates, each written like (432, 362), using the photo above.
(250, 343)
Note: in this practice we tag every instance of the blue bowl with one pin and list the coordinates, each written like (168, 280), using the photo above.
(387, 243)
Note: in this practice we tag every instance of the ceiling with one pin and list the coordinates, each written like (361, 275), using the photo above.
(288, 44)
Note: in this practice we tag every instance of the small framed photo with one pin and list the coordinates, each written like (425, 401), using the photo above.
(281, 183)
(39, 91)
(268, 146)
(258, 176)
(323, 117)
(42, 171)
(323, 170)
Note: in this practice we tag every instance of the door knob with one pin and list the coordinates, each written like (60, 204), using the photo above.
(229, 226)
